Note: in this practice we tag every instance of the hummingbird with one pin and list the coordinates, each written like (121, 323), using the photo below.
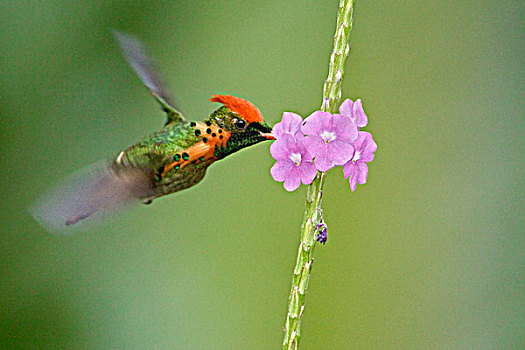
(169, 160)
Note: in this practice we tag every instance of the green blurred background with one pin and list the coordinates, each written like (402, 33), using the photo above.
(429, 254)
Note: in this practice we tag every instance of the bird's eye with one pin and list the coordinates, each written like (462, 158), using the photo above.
(240, 124)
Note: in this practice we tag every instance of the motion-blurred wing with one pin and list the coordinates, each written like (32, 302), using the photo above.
(90, 194)
(146, 70)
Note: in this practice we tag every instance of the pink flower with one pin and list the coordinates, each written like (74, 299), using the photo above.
(329, 139)
(294, 163)
(354, 111)
(289, 125)
(319, 143)
(356, 169)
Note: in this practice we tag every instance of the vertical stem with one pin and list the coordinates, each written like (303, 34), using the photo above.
(312, 214)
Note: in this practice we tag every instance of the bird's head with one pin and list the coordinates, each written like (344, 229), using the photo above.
(242, 120)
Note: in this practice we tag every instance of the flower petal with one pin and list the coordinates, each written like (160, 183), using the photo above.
(322, 161)
(344, 128)
(279, 150)
(293, 180)
(353, 182)
(340, 152)
(359, 114)
(308, 172)
(306, 156)
(283, 147)
(314, 145)
(348, 169)
(362, 172)
(316, 123)
(290, 124)
(281, 169)
(346, 108)
(366, 146)
(370, 145)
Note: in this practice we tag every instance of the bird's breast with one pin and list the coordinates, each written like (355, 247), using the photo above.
(210, 138)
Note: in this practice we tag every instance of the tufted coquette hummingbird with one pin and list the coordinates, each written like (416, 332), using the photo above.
(172, 159)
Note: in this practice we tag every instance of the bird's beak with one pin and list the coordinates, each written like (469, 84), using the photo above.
(265, 131)
(268, 136)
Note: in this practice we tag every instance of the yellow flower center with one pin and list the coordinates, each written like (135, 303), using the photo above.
(356, 156)
(328, 136)
(296, 158)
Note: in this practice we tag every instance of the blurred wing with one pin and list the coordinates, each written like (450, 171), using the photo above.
(89, 195)
(146, 70)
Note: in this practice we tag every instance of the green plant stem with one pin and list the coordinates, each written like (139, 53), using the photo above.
(312, 214)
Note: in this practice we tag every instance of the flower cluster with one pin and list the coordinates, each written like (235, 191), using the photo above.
(321, 142)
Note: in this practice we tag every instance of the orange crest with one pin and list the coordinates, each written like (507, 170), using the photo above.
(243, 108)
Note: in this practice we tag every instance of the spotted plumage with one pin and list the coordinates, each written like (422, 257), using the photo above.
(169, 160)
